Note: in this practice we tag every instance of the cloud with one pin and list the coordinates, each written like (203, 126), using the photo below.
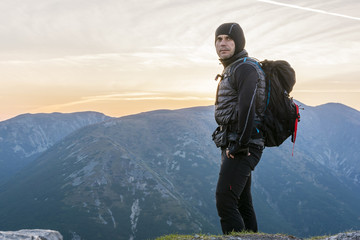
(328, 91)
(121, 98)
(95, 48)
(310, 9)
(131, 96)
(140, 96)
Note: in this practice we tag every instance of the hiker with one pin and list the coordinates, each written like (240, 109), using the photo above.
(238, 134)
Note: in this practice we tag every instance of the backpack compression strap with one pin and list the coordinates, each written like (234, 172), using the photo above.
(293, 139)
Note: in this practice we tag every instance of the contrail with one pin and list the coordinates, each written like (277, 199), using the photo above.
(310, 9)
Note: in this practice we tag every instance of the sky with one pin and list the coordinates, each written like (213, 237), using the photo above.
(124, 57)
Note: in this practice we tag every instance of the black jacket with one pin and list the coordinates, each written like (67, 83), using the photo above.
(236, 100)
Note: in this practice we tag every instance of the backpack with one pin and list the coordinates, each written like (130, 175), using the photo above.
(281, 114)
(278, 110)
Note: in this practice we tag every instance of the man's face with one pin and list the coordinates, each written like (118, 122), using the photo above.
(225, 46)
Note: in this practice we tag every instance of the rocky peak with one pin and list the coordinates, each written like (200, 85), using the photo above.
(34, 234)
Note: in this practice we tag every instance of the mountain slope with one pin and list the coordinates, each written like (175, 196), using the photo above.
(26, 136)
(146, 175)
(316, 191)
(121, 178)
(337, 140)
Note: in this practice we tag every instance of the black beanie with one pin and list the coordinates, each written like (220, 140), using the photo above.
(235, 32)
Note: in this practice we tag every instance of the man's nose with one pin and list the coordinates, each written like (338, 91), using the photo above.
(222, 42)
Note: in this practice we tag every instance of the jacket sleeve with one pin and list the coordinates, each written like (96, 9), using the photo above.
(246, 78)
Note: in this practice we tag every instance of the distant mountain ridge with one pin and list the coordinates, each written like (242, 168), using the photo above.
(25, 137)
(334, 128)
(154, 173)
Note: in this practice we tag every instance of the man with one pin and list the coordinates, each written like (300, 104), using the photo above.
(238, 110)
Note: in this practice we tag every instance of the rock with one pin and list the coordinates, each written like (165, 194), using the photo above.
(355, 235)
(345, 236)
(35, 234)
(243, 236)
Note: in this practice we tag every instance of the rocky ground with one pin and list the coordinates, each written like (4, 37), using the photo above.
(260, 236)
(54, 235)
(344, 236)
(35, 234)
(263, 236)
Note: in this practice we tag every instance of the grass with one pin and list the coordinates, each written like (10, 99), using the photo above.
(208, 237)
(318, 237)
(175, 237)
(234, 234)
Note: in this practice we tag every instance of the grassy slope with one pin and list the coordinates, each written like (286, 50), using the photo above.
(232, 236)
(257, 236)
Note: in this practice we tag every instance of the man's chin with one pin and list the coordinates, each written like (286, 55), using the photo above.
(226, 57)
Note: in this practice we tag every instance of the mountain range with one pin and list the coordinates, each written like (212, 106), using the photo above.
(154, 173)
(26, 136)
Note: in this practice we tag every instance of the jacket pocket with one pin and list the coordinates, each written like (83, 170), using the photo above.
(219, 136)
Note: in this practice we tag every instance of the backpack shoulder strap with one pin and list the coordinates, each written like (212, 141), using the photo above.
(246, 60)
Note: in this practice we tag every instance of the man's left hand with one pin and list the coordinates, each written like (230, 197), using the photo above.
(236, 148)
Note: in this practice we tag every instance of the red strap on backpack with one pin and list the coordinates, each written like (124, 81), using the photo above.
(295, 129)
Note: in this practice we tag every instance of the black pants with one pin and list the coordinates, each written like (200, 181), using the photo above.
(233, 192)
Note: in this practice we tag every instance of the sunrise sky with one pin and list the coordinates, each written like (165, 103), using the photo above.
(122, 57)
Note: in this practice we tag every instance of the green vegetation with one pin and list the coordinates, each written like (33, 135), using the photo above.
(223, 237)
(176, 237)
(319, 237)
(247, 235)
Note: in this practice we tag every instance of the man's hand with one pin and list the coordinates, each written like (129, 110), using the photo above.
(235, 148)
